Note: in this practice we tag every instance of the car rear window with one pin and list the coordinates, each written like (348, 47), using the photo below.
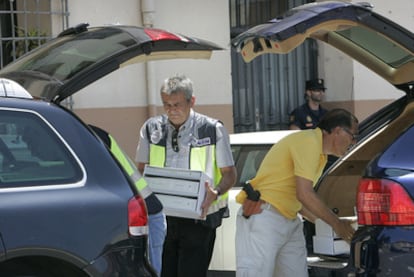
(247, 159)
(378, 45)
(32, 154)
(57, 62)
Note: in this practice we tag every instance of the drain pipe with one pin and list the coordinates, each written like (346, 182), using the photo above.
(148, 14)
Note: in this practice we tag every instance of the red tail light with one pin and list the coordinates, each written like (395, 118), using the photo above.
(137, 217)
(383, 202)
(157, 34)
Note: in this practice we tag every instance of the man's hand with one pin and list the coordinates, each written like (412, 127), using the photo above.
(211, 196)
(312, 204)
(344, 229)
(228, 177)
(251, 207)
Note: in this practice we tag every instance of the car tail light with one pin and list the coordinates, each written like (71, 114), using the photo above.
(156, 34)
(383, 202)
(137, 217)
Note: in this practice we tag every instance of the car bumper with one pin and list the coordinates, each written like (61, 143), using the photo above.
(383, 251)
(123, 259)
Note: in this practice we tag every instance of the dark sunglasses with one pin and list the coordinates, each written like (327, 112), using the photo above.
(174, 141)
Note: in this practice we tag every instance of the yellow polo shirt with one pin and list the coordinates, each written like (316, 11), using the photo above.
(299, 154)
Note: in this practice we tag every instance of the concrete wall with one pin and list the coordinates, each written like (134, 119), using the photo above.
(127, 98)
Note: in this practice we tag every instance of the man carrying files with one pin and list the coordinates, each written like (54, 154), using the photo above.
(182, 138)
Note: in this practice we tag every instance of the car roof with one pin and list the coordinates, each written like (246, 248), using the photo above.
(80, 55)
(353, 28)
(9, 88)
(258, 138)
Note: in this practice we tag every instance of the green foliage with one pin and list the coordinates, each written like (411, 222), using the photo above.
(28, 40)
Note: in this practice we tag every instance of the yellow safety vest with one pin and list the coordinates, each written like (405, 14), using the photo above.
(130, 168)
(202, 158)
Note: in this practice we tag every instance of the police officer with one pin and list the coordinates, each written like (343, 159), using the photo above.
(308, 115)
(183, 138)
(156, 218)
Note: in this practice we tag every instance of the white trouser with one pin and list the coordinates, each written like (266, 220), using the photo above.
(268, 244)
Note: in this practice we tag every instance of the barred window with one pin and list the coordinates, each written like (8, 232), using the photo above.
(27, 24)
(267, 89)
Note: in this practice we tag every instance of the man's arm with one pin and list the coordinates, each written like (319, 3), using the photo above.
(308, 215)
(294, 123)
(142, 151)
(228, 179)
(312, 203)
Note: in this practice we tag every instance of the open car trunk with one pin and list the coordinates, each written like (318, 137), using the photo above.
(383, 47)
(338, 186)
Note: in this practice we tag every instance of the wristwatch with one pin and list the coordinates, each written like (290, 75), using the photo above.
(218, 190)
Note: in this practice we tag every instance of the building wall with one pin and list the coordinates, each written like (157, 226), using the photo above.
(125, 99)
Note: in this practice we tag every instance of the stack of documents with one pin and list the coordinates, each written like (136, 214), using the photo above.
(181, 191)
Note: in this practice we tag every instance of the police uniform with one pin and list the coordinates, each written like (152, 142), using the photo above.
(303, 116)
(202, 144)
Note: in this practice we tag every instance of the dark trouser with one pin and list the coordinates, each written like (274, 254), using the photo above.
(188, 248)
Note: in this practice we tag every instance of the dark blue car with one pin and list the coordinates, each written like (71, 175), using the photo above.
(375, 180)
(67, 208)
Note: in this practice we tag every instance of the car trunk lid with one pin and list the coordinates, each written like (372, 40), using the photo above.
(79, 56)
(376, 42)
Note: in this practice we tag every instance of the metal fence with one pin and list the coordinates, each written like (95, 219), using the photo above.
(26, 24)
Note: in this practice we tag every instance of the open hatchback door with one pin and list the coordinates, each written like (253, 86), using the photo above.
(81, 55)
(380, 155)
(369, 38)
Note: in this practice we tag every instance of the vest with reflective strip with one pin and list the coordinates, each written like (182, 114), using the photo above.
(202, 158)
(130, 168)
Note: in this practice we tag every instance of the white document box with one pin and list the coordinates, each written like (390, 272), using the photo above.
(326, 241)
(181, 191)
(330, 246)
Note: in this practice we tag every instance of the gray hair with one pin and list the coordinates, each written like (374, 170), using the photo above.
(179, 83)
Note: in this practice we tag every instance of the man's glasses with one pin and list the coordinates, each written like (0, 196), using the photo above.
(354, 136)
(174, 141)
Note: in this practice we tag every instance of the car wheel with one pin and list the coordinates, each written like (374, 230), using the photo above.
(22, 270)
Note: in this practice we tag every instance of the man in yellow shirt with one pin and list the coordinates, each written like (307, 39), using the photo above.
(269, 233)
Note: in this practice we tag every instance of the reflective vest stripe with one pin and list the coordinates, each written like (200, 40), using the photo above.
(199, 158)
(129, 168)
(204, 159)
(157, 155)
(143, 187)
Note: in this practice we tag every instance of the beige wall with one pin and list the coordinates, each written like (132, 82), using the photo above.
(122, 101)
(124, 123)
(361, 108)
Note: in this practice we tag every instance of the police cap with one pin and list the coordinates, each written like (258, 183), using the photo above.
(315, 84)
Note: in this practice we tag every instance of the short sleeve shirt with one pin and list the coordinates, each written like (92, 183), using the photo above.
(186, 137)
(299, 154)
